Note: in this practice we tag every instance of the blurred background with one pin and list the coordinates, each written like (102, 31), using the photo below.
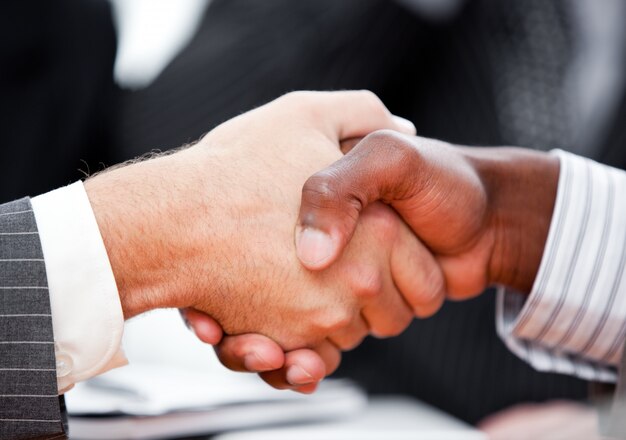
(89, 83)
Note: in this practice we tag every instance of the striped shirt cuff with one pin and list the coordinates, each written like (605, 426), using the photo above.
(574, 320)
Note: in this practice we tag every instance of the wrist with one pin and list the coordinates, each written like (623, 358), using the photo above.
(106, 193)
(521, 185)
(142, 216)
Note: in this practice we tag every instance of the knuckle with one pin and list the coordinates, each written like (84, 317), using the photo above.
(326, 190)
(297, 98)
(393, 327)
(381, 222)
(235, 349)
(434, 282)
(385, 219)
(342, 319)
(321, 187)
(372, 102)
(366, 281)
(432, 285)
(293, 96)
(430, 294)
(349, 343)
(399, 154)
(393, 146)
(368, 94)
(337, 320)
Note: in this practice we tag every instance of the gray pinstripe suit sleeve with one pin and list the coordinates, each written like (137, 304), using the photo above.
(29, 405)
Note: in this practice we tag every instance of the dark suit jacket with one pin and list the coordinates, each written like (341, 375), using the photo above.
(56, 84)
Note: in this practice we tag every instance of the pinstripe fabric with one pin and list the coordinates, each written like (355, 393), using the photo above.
(574, 320)
(29, 404)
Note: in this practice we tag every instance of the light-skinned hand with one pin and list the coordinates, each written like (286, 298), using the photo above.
(210, 228)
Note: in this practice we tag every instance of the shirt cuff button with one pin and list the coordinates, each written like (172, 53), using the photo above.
(64, 363)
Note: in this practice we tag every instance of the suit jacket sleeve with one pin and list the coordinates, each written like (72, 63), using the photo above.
(29, 404)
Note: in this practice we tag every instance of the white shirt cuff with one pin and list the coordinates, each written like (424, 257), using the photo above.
(574, 320)
(87, 318)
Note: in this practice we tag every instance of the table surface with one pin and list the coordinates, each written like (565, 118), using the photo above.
(385, 418)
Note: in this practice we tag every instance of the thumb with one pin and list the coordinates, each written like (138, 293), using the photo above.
(378, 168)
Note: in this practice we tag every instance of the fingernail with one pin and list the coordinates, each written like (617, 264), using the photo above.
(253, 361)
(406, 125)
(297, 375)
(313, 246)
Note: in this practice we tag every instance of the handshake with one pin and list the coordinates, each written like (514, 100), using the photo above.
(291, 232)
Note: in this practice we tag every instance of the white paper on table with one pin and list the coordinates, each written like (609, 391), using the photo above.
(148, 390)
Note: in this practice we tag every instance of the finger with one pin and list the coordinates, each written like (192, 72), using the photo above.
(205, 328)
(330, 354)
(403, 126)
(250, 352)
(369, 274)
(317, 363)
(417, 274)
(389, 314)
(354, 113)
(302, 367)
(351, 336)
(382, 166)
